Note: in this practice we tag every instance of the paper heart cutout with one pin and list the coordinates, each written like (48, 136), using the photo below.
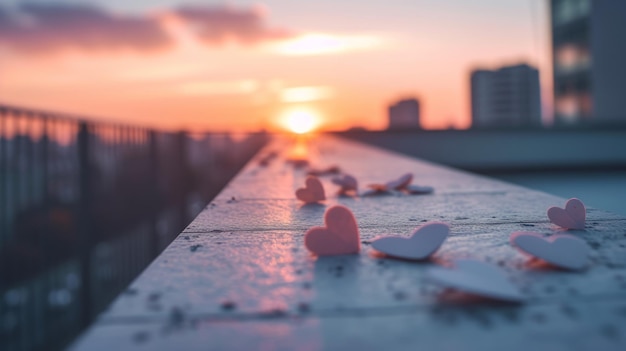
(313, 191)
(346, 182)
(378, 187)
(418, 189)
(565, 251)
(400, 183)
(375, 190)
(339, 236)
(479, 278)
(572, 217)
(424, 241)
(334, 169)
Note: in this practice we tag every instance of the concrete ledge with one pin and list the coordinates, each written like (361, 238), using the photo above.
(240, 278)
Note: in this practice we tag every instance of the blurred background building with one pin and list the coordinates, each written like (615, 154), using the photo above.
(404, 114)
(506, 97)
(589, 58)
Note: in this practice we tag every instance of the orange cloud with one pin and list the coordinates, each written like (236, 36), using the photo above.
(204, 88)
(304, 94)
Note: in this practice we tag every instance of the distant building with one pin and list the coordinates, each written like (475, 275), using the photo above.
(589, 61)
(506, 97)
(404, 114)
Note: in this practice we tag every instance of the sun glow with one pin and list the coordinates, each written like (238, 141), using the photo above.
(300, 121)
(320, 44)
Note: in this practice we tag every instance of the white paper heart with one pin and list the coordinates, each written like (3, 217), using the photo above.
(346, 182)
(565, 251)
(424, 242)
(313, 192)
(400, 183)
(572, 217)
(479, 278)
(375, 190)
(418, 189)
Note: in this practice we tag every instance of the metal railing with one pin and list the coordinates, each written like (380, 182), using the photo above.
(85, 206)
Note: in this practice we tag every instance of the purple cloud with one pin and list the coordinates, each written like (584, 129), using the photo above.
(37, 27)
(217, 24)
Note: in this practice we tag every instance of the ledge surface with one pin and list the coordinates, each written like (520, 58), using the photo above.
(239, 277)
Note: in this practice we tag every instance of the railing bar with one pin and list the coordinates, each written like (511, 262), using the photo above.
(4, 179)
(17, 181)
(30, 161)
(45, 163)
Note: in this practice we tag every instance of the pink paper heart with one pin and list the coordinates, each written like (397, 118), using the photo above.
(340, 236)
(424, 242)
(400, 183)
(324, 171)
(565, 251)
(346, 182)
(572, 217)
(479, 278)
(378, 187)
(312, 192)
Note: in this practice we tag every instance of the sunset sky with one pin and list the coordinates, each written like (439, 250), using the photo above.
(244, 65)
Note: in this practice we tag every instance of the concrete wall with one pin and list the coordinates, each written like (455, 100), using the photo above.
(508, 150)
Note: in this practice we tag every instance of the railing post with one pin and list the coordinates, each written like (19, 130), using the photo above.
(183, 181)
(85, 243)
(30, 159)
(16, 185)
(4, 179)
(153, 176)
(45, 171)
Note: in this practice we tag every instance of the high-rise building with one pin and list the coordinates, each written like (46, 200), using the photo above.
(589, 61)
(404, 114)
(506, 97)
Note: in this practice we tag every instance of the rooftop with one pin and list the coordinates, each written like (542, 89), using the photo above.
(239, 277)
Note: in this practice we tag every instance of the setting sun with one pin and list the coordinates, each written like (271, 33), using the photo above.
(301, 121)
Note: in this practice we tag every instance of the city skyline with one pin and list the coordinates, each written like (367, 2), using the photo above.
(345, 70)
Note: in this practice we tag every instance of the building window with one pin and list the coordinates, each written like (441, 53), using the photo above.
(573, 106)
(571, 57)
(569, 10)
